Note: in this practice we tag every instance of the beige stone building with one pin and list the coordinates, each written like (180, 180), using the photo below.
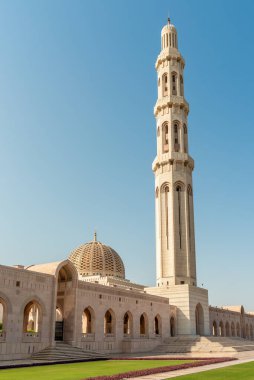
(86, 302)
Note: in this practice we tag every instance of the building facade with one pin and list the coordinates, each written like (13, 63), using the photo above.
(86, 301)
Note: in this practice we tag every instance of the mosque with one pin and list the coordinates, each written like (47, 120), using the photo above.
(86, 302)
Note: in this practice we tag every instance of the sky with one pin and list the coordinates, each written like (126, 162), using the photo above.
(78, 134)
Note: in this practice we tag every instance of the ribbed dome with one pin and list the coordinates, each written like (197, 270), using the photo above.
(95, 258)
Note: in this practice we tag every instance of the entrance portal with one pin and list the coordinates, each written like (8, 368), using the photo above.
(199, 314)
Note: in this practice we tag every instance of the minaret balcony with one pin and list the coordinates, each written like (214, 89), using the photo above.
(171, 157)
(170, 101)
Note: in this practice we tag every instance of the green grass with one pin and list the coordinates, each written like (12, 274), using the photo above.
(77, 371)
(243, 371)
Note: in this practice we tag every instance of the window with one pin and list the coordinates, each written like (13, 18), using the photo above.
(164, 85)
(165, 146)
(179, 211)
(174, 83)
(31, 317)
(176, 137)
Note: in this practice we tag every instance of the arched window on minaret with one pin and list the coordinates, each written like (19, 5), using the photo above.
(179, 213)
(190, 215)
(174, 83)
(166, 193)
(185, 139)
(165, 138)
(176, 136)
(164, 85)
(181, 85)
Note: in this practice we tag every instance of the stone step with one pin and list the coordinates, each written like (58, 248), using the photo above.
(66, 352)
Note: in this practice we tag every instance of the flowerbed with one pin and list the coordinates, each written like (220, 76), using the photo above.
(143, 372)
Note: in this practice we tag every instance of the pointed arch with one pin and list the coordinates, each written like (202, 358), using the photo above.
(215, 331)
(143, 324)
(174, 83)
(176, 134)
(165, 84)
(109, 322)
(185, 139)
(165, 137)
(157, 325)
(227, 329)
(128, 324)
(88, 320)
(221, 329)
(199, 314)
(32, 317)
(172, 326)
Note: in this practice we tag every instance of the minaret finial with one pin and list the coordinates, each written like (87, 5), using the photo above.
(95, 236)
(168, 20)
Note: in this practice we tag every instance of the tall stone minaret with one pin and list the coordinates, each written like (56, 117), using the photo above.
(173, 166)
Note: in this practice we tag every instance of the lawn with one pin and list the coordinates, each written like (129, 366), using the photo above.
(243, 371)
(77, 371)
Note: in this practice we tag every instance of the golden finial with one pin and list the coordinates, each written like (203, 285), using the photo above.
(95, 236)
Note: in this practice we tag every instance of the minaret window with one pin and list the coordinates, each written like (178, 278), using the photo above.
(189, 200)
(179, 211)
(174, 83)
(167, 39)
(176, 137)
(185, 139)
(165, 85)
(181, 85)
(165, 138)
(166, 211)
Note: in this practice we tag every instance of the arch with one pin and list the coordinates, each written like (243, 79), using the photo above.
(174, 83)
(227, 329)
(221, 329)
(157, 324)
(143, 324)
(5, 307)
(179, 186)
(109, 322)
(32, 317)
(215, 331)
(232, 329)
(199, 314)
(165, 84)
(172, 326)
(181, 86)
(88, 320)
(164, 187)
(165, 144)
(176, 125)
(238, 331)
(128, 324)
(185, 139)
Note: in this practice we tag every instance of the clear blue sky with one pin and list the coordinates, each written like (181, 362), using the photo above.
(77, 132)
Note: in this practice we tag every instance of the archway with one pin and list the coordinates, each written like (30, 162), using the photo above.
(109, 323)
(88, 321)
(172, 327)
(221, 328)
(143, 324)
(157, 325)
(199, 314)
(32, 318)
(127, 324)
(66, 276)
(215, 332)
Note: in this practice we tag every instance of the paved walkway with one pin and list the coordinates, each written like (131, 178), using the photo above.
(243, 357)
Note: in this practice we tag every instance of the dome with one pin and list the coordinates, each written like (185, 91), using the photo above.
(95, 258)
(168, 27)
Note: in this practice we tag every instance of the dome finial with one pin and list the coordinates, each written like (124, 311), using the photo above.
(95, 236)
(168, 20)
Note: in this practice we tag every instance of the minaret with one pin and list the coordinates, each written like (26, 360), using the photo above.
(173, 166)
